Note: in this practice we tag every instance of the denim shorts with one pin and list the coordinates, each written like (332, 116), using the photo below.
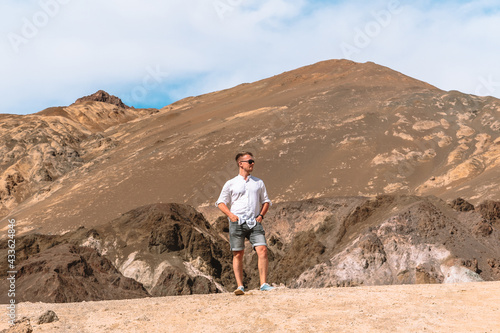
(238, 233)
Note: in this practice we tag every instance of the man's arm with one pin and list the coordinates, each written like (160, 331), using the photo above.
(263, 211)
(222, 206)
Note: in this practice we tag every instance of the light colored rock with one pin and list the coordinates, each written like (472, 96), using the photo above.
(424, 125)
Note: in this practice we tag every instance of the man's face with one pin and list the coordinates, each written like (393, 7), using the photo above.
(245, 162)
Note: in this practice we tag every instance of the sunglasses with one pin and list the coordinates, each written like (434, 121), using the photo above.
(249, 161)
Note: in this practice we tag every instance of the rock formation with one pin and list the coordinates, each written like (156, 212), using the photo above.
(67, 273)
(171, 249)
(102, 96)
(157, 250)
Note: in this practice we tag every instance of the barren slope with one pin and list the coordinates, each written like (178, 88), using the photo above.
(332, 128)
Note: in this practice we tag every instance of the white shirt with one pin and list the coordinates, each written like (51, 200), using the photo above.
(244, 198)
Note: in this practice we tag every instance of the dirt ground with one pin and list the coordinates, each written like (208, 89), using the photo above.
(466, 307)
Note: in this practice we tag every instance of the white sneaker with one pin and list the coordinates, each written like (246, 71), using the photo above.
(239, 291)
(266, 287)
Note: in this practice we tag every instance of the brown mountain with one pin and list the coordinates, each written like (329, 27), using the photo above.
(38, 150)
(358, 159)
(332, 128)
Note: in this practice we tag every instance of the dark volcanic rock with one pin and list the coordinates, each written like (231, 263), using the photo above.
(173, 282)
(102, 96)
(297, 257)
(170, 248)
(490, 210)
(461, 205)
(67, 273)
(385, 240)
(494, 264)
(483, 229)
(221, 225)
(47, 317)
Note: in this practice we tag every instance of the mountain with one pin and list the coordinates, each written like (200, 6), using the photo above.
(41, 149)
(332, 128)
(376, 178)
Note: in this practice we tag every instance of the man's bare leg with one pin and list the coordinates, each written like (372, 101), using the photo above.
(263, 262)
(238, 266)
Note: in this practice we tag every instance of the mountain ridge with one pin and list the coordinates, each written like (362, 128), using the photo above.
(319, 125)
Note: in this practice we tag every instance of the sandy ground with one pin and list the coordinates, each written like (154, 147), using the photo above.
(466, 307)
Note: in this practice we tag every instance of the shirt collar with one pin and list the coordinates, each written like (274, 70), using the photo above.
(243, 178)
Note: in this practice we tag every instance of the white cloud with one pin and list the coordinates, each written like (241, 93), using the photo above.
(114, 45)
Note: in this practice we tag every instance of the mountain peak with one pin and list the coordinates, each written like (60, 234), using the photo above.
(102, 96)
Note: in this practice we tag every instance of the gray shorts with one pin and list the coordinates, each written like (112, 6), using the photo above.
(238, 233)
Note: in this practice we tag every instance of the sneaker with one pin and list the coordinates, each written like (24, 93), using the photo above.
(266, 287)
(239, 291)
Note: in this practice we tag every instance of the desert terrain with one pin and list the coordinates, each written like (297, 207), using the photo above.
(463, 307)
(380, 183)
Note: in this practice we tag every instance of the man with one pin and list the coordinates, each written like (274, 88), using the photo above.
(245, 202)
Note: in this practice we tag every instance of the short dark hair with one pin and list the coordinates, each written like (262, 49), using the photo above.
(243, 153)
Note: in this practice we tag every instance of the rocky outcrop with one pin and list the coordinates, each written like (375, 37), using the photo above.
(412, 240)
(67, 273)
(47, 317)
(389, 239)
(172, 282)
(20, 326)
(461, 205)
(158, 250)
(490, 210)
(170, 248)
(102, 96)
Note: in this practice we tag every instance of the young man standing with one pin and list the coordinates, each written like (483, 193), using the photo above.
(245, 202)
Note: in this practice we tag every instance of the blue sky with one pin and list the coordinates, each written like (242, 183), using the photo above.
(151, 53)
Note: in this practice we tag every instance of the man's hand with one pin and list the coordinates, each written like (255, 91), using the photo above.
(233, 218)
(259, 219)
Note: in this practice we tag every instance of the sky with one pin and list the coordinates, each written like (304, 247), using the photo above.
(151, 53)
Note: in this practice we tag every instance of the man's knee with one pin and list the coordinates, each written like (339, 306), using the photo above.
(238, 254)
(261, 251)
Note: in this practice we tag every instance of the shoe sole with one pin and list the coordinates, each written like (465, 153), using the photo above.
(239, 292)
